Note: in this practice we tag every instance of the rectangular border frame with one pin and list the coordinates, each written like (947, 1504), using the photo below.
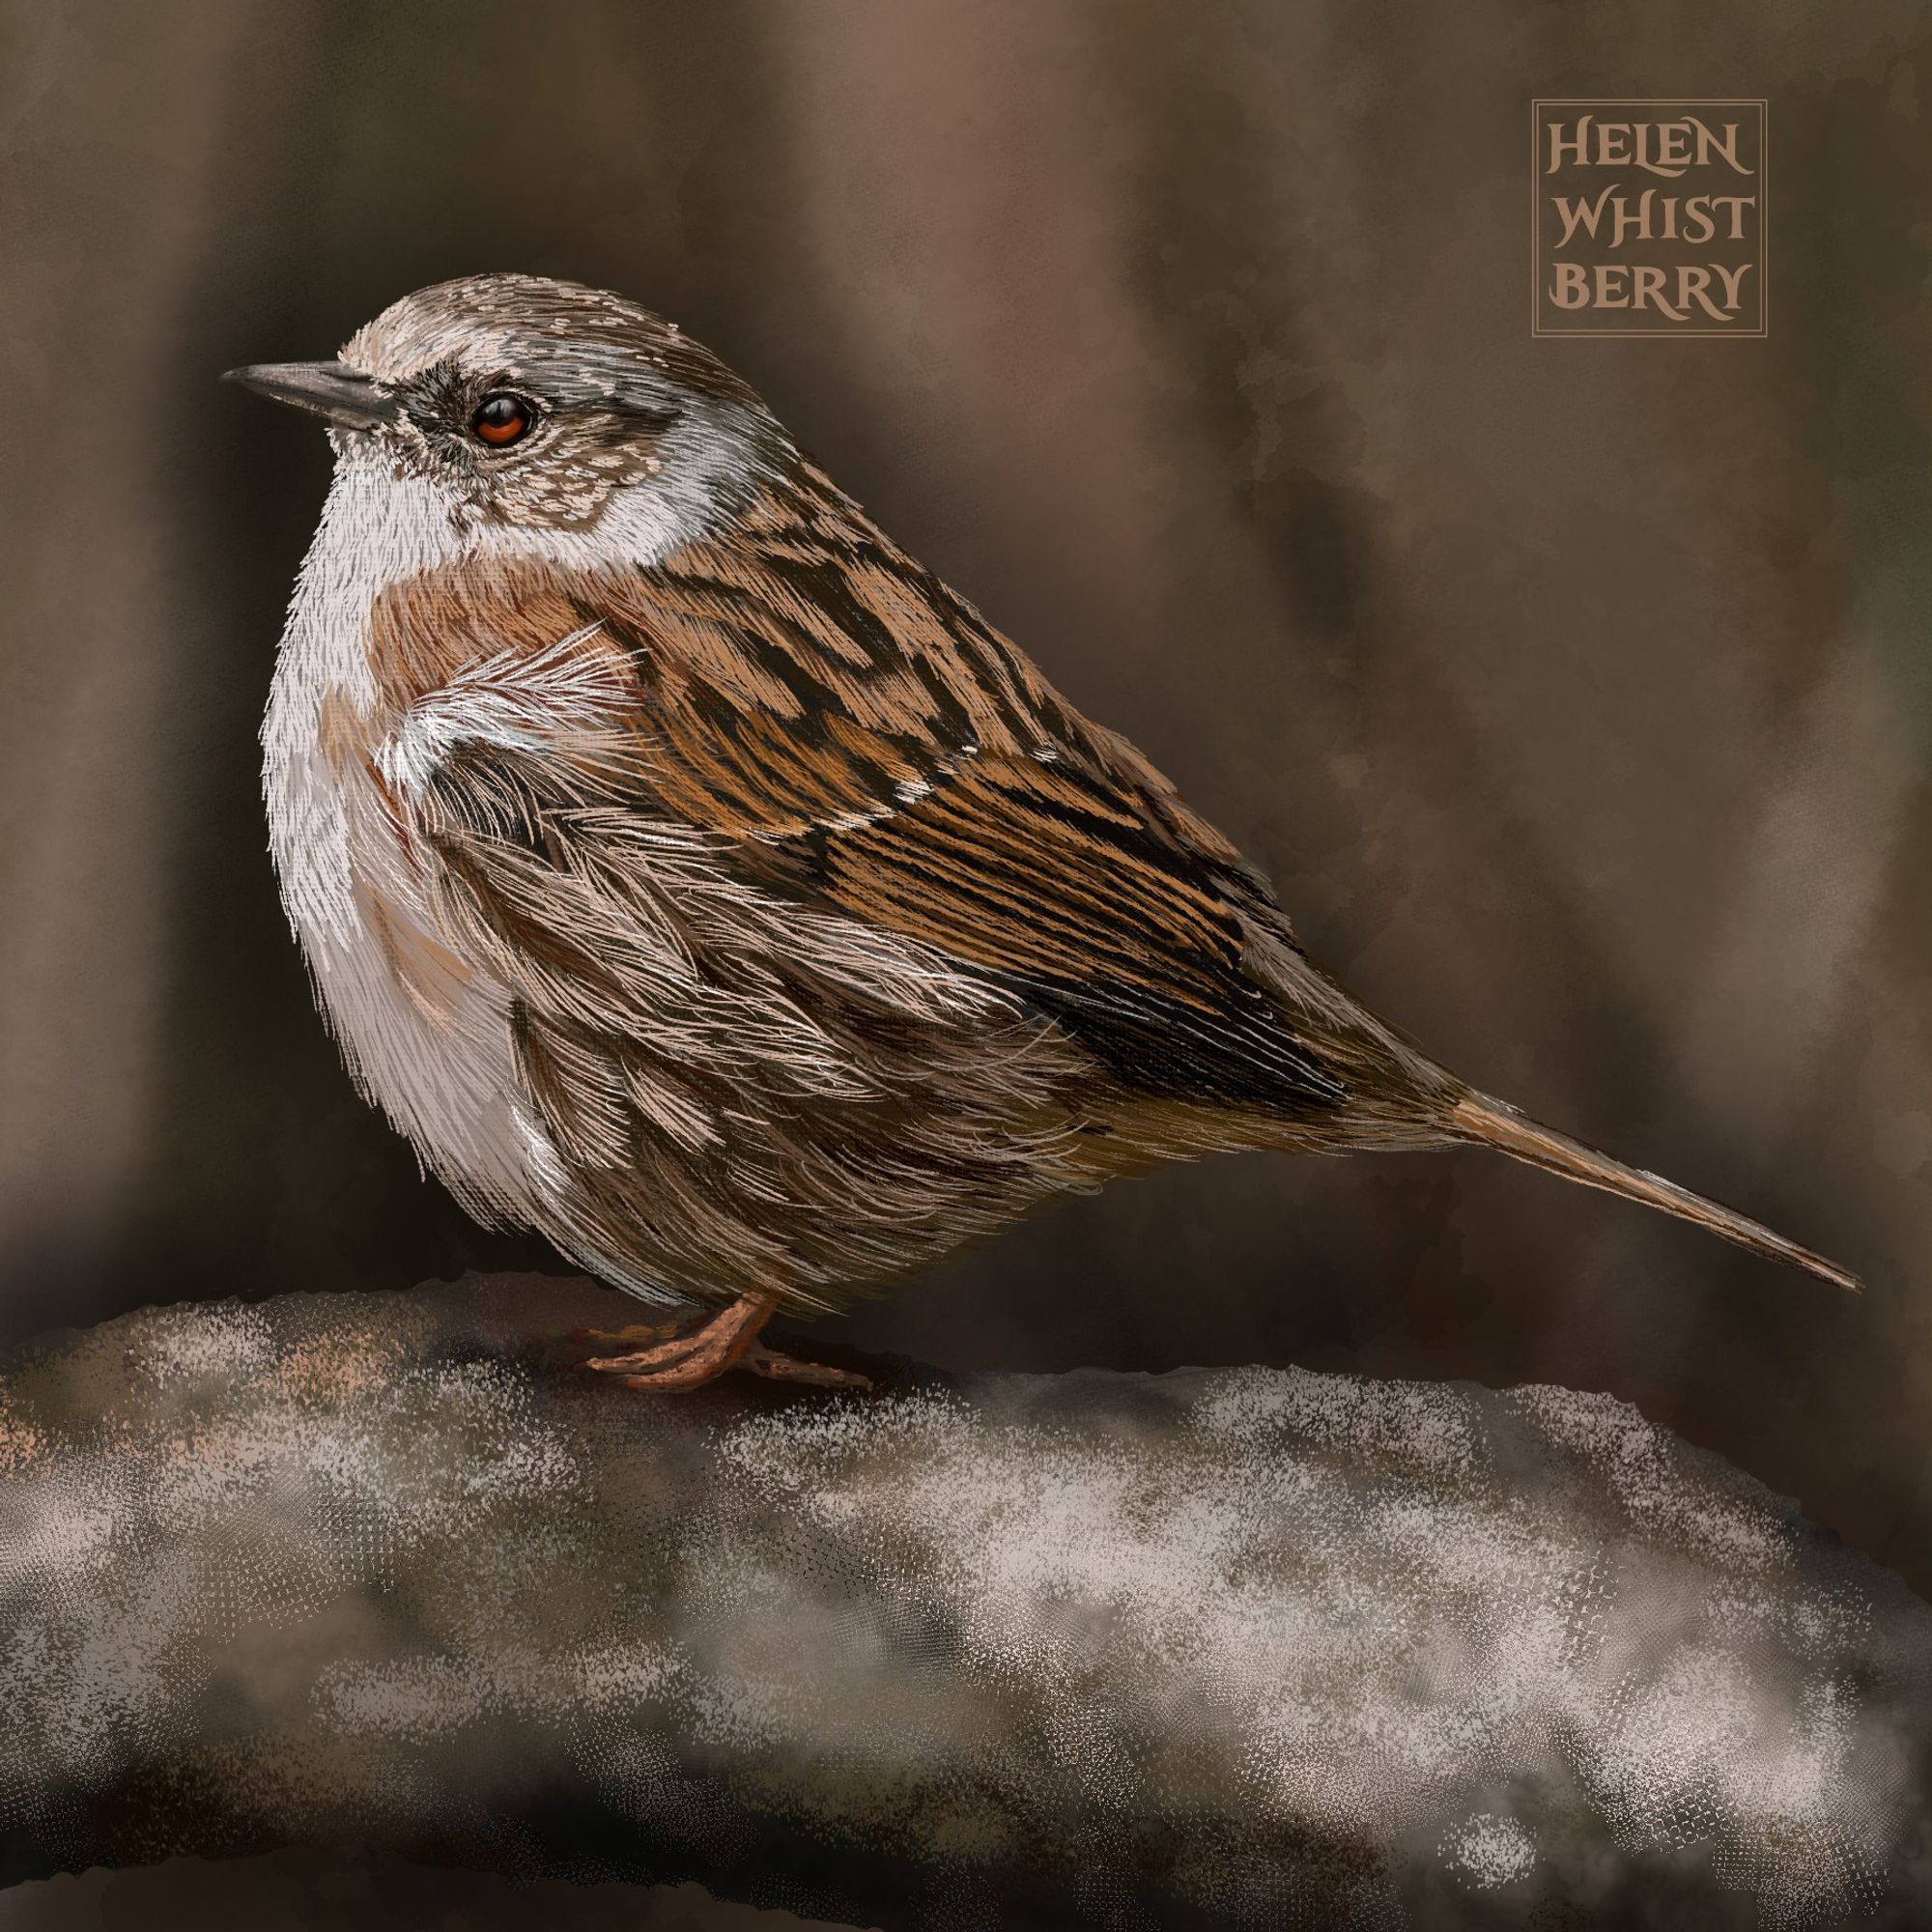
(1757, 334)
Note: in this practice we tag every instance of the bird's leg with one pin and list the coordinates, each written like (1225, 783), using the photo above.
(698, 1352)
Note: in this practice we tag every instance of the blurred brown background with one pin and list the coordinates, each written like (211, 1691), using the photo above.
(1573, 693)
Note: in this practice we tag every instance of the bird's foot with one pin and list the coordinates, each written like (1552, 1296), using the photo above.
(688, 1353)
(768, 1362)
(637, 1334)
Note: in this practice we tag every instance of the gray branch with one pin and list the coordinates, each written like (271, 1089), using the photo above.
(1240, 1647)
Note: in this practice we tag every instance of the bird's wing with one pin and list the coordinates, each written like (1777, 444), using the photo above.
(849, 736)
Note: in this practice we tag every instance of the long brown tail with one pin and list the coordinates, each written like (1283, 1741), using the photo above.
(1500, 1125)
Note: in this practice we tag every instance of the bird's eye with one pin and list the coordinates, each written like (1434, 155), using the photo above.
(501, 419)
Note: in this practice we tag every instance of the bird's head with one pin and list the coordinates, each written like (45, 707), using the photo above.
(538, 411)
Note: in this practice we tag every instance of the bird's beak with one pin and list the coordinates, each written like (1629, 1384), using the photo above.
(330, 389)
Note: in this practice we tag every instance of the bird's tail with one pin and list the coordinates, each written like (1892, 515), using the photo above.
(1495, 1124)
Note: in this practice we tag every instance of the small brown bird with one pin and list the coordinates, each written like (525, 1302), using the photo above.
(697, 880)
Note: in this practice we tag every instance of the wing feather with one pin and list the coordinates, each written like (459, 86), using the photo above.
(837, 730)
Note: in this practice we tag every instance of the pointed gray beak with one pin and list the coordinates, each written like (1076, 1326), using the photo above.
(331, 390)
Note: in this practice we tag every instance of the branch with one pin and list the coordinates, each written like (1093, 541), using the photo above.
(1230, 1646)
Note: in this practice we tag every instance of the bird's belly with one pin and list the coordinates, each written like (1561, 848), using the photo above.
(425, 1031)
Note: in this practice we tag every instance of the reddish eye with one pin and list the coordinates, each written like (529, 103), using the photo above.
(501, 418)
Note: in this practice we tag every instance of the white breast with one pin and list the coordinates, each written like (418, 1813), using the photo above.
(431, 1047)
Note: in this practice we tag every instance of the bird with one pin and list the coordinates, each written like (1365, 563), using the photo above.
(697, 880)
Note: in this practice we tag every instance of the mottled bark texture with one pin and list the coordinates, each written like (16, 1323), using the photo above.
(1234, 1646)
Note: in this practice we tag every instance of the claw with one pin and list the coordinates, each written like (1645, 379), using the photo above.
(633, 1361)
(695, 1353)
(686, 1355)
(638, 1333)
(763, 1361)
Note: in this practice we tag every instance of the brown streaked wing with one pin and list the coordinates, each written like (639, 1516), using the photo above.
(859, 740)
